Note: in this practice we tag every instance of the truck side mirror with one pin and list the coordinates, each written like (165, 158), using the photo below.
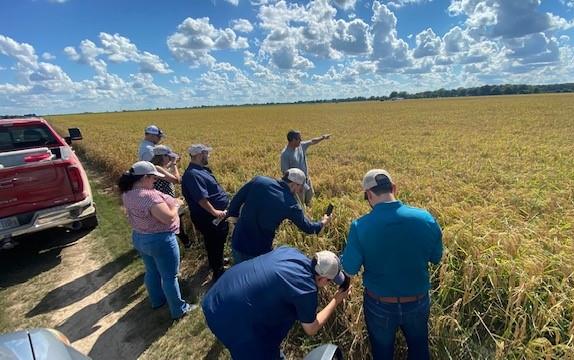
(75, 134)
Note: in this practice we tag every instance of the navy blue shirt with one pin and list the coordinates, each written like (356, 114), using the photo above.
(266, 203)
(259, 300)
(199, 183)
(394, 244)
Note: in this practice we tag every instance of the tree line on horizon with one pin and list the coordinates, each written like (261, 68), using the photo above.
(485, 90)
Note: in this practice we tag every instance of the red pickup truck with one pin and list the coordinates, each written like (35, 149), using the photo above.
(42, 182)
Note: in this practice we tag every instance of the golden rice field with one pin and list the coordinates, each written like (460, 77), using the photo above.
(497, 173)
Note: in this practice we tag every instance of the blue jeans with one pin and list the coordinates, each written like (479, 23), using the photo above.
(160, 254)
(383, 320)
(239, 257)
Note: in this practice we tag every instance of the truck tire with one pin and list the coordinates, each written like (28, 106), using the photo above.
(89, 223)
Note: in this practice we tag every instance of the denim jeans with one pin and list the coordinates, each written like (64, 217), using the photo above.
(160, 254)
(384, 319)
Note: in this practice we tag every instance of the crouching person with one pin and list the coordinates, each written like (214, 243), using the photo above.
(255, 303)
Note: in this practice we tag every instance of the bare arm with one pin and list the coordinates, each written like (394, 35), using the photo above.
(324, 315)
(320, 138)
(164, 213)
(172, 177)
(206, 205)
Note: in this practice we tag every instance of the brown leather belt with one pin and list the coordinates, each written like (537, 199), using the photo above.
(394, 299)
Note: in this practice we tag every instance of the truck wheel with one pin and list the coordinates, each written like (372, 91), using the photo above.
(89, 223)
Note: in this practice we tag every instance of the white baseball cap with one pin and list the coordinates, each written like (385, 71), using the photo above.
(296, 175)
(376, 177)
(154, 130)
(198, 149)
(329, 266)
(164, 150)
(145, 168)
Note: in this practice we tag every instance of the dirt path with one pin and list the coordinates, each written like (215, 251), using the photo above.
(53, 280)
(59, 279)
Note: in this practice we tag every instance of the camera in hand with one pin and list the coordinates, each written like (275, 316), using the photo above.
(329, 210)
(346, 283)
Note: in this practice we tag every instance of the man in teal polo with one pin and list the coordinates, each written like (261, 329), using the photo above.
(394, 244)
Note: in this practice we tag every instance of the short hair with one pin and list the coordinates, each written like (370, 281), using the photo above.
(285, 177)
(293, 134)
(384, 185)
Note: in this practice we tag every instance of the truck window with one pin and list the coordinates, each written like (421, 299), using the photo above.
(25, 137)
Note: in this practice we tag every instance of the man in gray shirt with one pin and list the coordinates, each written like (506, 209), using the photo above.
(153, 136)
(294, 155)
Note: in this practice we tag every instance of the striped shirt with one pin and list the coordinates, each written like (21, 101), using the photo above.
(138, 203)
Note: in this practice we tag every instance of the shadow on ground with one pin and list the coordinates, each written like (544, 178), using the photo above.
(35, 254)
(141, 326)
(133, 333)
(83, 286)
(85, 322)
(194, 287)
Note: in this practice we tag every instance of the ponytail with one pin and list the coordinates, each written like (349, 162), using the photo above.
(127, 181)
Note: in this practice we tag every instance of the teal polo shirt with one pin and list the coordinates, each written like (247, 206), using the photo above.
(394, 244)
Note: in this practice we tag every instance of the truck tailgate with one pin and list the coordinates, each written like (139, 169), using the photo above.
(33, 187)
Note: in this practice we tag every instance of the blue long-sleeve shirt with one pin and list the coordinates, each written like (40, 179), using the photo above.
(264, 203)
(394, 244)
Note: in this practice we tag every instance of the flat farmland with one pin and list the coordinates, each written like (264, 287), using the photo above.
(496, 172)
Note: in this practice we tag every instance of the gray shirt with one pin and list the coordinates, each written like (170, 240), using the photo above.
(295, 158)
(145, 152)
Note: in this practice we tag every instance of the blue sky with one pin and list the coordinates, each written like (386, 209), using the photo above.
(63, 56)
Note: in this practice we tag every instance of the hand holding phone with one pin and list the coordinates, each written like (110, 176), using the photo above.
(329, 210)
(346, 283)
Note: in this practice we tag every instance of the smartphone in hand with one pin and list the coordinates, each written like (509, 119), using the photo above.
(346, 283)
(329, 210)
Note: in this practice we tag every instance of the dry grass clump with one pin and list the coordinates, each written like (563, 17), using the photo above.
(496, 172)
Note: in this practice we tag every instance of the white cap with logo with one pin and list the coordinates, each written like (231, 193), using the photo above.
(164, 150)
(376, 177)
(145, 168)
(296, 175)
(196, 149)
(154, 130)
(329, 266)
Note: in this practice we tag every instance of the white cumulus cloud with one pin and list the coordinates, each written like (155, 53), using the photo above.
(505, 18)
(345, 4)
(195, 39)
(120, 49)
(47, 56)
(391, 52)
(242, 25)
(22, 52)
(396, 4)
(428, 44)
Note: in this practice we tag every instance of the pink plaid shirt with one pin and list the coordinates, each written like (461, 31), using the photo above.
(138, 203)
